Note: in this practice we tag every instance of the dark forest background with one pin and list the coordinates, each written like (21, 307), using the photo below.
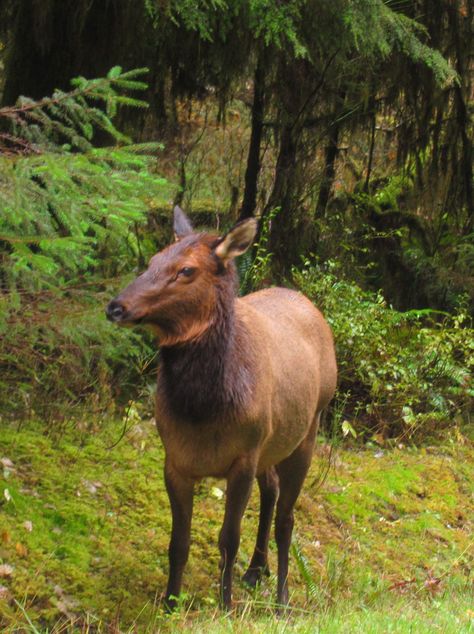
(346, 126)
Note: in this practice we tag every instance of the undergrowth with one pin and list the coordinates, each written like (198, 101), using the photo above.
(404, 374)
(75, 222)
(60, 358)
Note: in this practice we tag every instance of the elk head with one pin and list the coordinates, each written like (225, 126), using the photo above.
(177, 295)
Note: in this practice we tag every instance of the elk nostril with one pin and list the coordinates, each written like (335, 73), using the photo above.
(114, 311)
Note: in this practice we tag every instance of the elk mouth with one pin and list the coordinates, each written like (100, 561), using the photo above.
(161, 326)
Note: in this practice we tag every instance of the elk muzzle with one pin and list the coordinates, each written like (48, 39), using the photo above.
(116, 312)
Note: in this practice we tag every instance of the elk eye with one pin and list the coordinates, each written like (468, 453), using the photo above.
(187, 271)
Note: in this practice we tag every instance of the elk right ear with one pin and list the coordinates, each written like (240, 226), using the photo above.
(237, 241)
(181, 224)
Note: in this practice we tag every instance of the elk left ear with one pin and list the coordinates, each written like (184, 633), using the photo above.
(181, 224)
(237, 240)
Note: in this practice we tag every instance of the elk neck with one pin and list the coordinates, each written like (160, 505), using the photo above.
(205, 378)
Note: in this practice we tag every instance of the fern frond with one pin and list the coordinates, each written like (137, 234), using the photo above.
(312, 587)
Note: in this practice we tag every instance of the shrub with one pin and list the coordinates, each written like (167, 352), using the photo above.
(61, 359)
(399, 373)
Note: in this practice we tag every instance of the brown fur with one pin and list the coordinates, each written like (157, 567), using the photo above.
(241, 387)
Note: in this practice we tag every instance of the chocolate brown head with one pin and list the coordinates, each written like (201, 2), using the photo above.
(177, 296)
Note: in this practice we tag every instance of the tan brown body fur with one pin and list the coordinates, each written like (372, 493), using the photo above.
(292, 355)
(241, 387)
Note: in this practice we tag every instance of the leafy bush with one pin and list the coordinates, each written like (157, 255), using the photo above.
(400, 373)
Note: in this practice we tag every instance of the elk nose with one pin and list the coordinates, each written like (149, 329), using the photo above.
(114, 311)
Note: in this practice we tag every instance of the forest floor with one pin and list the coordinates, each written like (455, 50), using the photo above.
(383, 544)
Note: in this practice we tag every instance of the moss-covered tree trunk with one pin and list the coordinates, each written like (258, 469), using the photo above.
(291, 229)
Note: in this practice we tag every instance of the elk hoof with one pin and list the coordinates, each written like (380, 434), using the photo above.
(254, 575)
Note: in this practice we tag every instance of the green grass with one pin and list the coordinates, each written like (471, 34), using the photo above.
(450, 613)
(384, 545)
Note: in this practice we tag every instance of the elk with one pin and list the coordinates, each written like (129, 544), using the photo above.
(241, 387)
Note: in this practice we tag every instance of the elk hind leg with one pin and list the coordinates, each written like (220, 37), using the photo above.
(292, 472)
(268, 485)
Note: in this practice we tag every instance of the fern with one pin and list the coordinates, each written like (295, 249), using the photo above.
(255, 268)
(313, 588)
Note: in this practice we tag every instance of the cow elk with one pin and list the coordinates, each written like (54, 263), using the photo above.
(241, 387)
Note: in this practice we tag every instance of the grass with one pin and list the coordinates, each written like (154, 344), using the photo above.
(450, 614)
(384, 545)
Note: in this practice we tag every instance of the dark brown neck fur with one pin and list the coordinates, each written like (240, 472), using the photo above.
(210, 377)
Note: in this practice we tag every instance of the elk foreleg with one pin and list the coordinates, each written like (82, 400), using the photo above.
(239, 486)
(180, 492)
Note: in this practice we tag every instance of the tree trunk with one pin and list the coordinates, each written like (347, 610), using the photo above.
(373, 121)
(284, 241)
(461, 94)
(330, 156)
(253, 160)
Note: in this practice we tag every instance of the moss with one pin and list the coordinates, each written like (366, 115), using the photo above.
(406, 511)
(100, 525)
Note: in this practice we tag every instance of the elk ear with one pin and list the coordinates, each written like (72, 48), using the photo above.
(181, 224)
(237, 240)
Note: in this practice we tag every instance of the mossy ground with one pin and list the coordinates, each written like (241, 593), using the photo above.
(84, 531)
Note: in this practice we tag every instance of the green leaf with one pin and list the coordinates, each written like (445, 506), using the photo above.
(348, 429)
(114, 72)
